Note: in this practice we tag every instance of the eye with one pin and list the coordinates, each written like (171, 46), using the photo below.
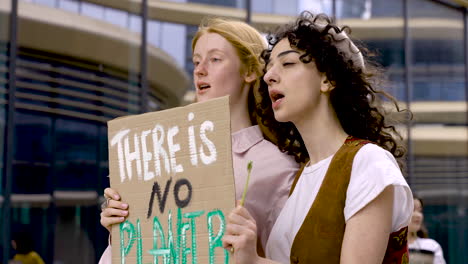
(214, 59)
(195, 63)
(285, 64)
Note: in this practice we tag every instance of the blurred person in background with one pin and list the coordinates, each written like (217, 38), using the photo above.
(23, 243)
(422, 248)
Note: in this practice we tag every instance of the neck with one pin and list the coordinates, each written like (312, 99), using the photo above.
(412, 237)
(240, 117)
(322, 132)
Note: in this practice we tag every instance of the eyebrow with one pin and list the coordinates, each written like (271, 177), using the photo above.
(209, 52)
(284, 53)
(281, 54)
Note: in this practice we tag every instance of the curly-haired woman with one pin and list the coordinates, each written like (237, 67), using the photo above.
(351, 204)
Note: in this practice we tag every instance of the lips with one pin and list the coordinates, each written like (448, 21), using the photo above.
(202, 87)
(276, 98)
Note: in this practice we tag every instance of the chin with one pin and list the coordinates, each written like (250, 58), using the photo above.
(412, 228)
(280, 118)
(204, 97)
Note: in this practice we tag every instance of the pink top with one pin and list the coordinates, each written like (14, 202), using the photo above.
(272, 175)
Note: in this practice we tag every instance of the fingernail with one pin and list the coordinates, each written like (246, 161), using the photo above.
(122, 218)
(124, 212)
(116, 197)
(124, 206)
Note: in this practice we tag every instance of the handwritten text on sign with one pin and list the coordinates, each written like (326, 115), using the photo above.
(183, 186)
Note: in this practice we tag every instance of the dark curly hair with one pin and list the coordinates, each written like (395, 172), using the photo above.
(355, 99)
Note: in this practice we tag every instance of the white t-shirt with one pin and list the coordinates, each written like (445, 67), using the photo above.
(430, 245)
(373, 169)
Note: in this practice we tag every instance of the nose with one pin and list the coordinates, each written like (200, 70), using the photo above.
(270, 77)
(417, 215)
(200, 69)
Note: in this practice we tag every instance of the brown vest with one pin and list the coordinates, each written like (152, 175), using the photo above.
(320, 237)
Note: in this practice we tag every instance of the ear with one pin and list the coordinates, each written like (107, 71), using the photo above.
(250, 77)
(326, 86)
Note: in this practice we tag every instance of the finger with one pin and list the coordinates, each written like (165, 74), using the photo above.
(111, 212)
(238, 242)
(111, 193)
(231, 229)
(241, 230)
(227, 241)
(117, 205)
(108, 221)
(236, 218)
(242, 211)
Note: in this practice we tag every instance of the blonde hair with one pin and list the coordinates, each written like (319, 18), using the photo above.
(246, 40)
(249, 44)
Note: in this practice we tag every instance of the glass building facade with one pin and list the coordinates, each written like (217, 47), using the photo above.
(73, 65)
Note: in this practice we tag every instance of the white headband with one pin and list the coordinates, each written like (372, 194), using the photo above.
(346, 45)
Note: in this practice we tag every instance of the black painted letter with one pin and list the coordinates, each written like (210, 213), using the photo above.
(162, 200)
(186, 201)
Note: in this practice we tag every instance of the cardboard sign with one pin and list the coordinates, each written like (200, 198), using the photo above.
(174, 169)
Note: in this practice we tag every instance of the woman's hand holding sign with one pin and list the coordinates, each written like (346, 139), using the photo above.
(241, 235)
(115, 211)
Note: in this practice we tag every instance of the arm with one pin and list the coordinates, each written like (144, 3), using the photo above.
(114, 213)
(367, 232)
(241, 236)
(439, 255)
(115, 210)
(106, 257)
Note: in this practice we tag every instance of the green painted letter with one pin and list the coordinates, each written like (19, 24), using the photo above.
(215, 241)
(185, 226)
(130, 229)
(162, 251)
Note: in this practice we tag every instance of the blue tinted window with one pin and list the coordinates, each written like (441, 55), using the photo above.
(3, 91)
(76, 154)
(104, 158)
(32, 154)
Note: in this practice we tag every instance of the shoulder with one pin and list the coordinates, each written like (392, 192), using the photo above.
(374, 169)
(34, 255)
(428, 243)
(268, 153)
(372, 154)
(268, 146)
(249, 144)
(375, 165)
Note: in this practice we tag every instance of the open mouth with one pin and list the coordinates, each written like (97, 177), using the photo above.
(275, 96)
(203, 86)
